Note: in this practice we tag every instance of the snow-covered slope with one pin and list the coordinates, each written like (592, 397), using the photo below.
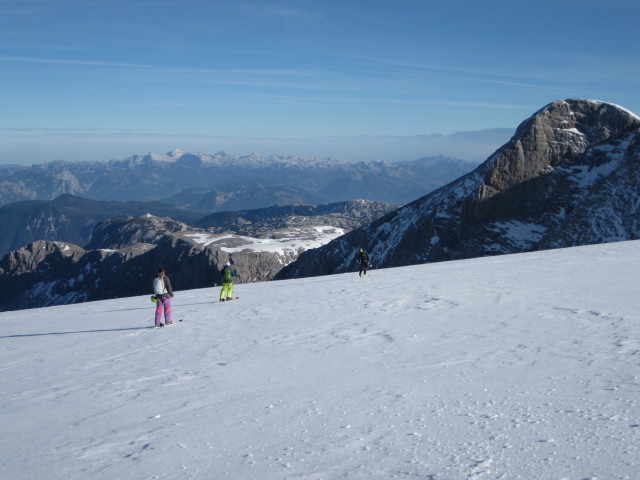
(515, 367)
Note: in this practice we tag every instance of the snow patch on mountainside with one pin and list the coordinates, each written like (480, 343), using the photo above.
(519, 235)
(296, 239)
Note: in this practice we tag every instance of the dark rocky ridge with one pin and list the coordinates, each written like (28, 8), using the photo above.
(346, 215)
(124, 253)
(241, 196)
(69, 218)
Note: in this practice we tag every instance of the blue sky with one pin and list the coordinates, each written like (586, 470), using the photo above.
(102, 79)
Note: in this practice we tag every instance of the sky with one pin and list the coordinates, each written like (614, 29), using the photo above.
(464, 371)
(102, 79)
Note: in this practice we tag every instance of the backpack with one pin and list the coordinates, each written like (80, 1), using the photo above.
(227, 275)
(158, 286)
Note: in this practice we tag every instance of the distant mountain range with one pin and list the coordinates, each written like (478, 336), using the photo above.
(569, 176)
(226, 182)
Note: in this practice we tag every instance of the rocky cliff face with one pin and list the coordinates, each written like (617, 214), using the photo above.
(569, 176)
(125, 252)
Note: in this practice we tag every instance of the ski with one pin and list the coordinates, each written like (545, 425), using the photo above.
(166, 324)
(228, 300)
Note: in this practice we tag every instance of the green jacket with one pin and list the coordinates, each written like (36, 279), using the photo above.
(227, 275)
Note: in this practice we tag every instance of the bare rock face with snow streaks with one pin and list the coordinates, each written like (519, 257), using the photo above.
(569, 176)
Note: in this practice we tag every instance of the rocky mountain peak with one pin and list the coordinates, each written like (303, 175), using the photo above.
(556, 134)
(121, 232)
(569, 176)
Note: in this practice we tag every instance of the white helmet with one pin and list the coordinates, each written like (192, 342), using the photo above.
(228, 264)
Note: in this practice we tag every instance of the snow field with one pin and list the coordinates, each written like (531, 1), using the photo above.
(519, 366)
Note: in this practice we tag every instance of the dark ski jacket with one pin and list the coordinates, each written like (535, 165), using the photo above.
(363, 258)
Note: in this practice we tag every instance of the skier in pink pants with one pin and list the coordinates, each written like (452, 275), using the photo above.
(163, 294)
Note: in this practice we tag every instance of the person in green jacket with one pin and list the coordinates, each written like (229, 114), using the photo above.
(227, 274)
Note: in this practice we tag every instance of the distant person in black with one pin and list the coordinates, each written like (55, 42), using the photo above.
(363, 258)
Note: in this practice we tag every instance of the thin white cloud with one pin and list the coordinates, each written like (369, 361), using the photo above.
(565, 70)
(466, 74)
(58, 61)
(177, 69)
(300, 10)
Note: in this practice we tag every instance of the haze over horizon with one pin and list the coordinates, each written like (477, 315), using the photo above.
(350, 80)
